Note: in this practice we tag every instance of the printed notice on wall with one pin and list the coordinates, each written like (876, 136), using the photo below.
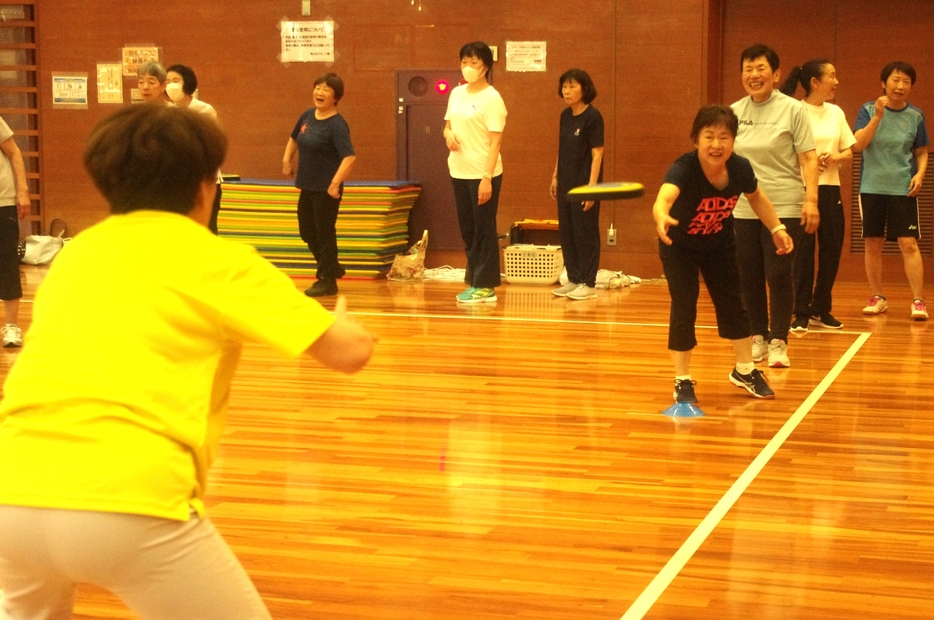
(525, 55)
(69, 90)
(136, 55)
(307, 41)
(109, 82)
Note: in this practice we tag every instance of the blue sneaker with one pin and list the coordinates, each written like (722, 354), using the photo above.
(476, 295)
(754, 383)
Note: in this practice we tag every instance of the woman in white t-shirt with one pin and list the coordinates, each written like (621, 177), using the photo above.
(180, 86)
(473, 131)
(832, 139)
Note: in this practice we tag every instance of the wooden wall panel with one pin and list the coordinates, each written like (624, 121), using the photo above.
(859, 37)
(644, 57)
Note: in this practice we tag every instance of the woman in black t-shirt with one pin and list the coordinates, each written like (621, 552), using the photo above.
(694, 221)
(321, 138)
(580, 162)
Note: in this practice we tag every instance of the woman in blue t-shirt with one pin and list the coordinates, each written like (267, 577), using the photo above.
(694, 221)
(325, 157)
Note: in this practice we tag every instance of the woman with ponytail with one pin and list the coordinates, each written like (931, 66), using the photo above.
(833, 139)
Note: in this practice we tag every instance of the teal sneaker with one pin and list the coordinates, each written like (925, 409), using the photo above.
(476, 295)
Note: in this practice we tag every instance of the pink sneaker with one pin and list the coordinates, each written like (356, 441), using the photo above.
(877, 305)
(919, 311)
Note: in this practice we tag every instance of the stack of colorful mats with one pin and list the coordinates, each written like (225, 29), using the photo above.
(372, 225)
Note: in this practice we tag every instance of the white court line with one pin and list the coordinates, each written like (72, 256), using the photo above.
(406, 315)
(662, 580)
(410, 315)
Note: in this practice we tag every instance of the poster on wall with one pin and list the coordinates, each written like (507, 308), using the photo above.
(307, 41)
(525, 55)
(70, 90)
(135, 55)
(109, 82)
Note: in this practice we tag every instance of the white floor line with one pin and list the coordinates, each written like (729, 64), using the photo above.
(409, 315)
(650, 595)
(510, 319)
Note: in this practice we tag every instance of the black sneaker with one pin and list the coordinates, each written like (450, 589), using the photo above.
(754, 383)
(322, 288)
(800, 324)
(826, 320)
(684, 391)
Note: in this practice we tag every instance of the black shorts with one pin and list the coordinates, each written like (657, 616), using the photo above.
(11, 286)
(889, 216)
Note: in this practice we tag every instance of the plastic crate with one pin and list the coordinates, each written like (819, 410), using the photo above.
(533, 264)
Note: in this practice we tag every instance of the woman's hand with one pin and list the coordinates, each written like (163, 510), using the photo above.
(663, 222)
(451, 140)
(287, 169)
(485, 192)
(553, 190)
(783, 242)
(334, 190)
(588, 205)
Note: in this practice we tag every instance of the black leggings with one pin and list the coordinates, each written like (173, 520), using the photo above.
(11, 286)
(317, 224)
(717, 264)
(830, 246)
(580, 240)
(478, 230)
(769, 310)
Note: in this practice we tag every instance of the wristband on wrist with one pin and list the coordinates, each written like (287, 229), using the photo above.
(778, 228)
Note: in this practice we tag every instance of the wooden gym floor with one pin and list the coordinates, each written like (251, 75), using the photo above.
(511, 461)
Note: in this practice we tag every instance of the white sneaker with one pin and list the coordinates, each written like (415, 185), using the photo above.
(12, 336)
(583, 292)
(564, 290)
(778, 354)
(760, 350)
(877, 305)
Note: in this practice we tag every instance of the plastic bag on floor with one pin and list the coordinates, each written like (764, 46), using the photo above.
(411, 265)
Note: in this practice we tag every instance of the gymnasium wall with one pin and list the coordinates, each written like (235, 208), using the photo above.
(653, 63)
(646, 59)
(859, 37)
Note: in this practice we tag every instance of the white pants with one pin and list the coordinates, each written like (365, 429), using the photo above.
(162, 569)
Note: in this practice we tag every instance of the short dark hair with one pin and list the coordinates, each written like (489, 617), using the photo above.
(334, 82)
(803, 74)
(479, 49)
(152, 68)
(153, 156)
(713, 115)
(758, 51)
(188, 77)
(899, 65)
(588, 90)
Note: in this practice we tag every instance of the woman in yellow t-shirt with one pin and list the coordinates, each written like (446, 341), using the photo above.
(105, 444)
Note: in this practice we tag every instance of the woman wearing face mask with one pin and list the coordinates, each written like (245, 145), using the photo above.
(181, 84)
(580, 162)
(473, 131)
(832, 139)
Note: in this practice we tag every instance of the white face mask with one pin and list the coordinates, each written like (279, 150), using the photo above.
(174, 91)
(470, 74)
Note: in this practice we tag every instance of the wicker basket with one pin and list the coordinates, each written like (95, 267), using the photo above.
(533, 264)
